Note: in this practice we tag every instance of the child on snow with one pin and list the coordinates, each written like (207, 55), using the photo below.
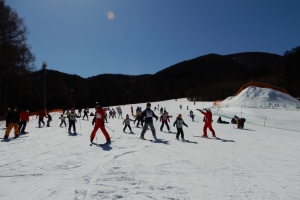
(127, 123)
(72, 120)
(179, 122)
(138, 118)
(49, 119)
(63, 120)
(192, 115)
(164, 118)
(119, 110)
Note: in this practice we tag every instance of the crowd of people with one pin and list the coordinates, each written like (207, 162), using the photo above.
(17, 120)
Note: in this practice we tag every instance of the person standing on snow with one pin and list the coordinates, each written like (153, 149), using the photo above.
(132, 111)
(72, 120)
(127, 123)
(24, 116)
(13, 120)
(41, 116)
(208, 122)
(49, 119)
(119, 110)
(63, 120)
(147, 115)
(85, 112)
(161, 110)
(99, 123)
(138, 118)
(164, 118)
(179, 122)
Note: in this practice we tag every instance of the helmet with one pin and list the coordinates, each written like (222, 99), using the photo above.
(179, 115)
(148, 104)
(207, 109)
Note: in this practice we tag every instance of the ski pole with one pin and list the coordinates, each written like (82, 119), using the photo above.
(109, 128)
(80, 126)
(156, 125)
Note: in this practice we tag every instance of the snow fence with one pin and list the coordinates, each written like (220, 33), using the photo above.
(259, 119)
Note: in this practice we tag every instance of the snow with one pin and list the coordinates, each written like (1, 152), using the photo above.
(257, 162)
(261, 98)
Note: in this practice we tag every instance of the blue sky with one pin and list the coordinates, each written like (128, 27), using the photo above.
(134, 37)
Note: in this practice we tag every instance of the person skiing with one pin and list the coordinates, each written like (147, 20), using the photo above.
(41, 116)
(119, 110)
(208, 122)
(49, 119)
(24, 118)
(127, 123)
(110, 114)
(161, 110)
(63, 120)
(192, 115)
(72, 120)
(13, 120)
(99, 123)
(164, 118)
(85, 113)
(131, 111)
(179, 122)
(138, 118)
(147, 115)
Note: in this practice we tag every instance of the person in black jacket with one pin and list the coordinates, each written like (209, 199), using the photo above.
(179, 123)
(147, 116)
(13, 120)
(220, 121)
(49, 119)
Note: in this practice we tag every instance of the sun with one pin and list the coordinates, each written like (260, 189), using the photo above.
(110, 15)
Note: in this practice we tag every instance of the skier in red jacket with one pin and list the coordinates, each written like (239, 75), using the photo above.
(41, 116)
(99, 123)
(208, 122)
(24, 116)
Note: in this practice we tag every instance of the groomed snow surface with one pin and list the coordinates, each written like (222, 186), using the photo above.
(255, 163)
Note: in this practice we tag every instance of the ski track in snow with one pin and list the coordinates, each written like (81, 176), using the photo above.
(258, 163)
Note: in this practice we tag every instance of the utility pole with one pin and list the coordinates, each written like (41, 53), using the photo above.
(44, 66)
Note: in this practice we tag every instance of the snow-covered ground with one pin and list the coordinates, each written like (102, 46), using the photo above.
(255, 163)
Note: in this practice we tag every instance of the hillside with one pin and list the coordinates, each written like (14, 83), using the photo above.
(209, 77)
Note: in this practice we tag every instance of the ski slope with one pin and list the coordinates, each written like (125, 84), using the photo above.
(255, 163)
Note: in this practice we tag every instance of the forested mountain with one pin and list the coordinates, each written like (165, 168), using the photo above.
(205, 78)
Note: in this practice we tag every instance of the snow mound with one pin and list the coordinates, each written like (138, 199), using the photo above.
(261, 98)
